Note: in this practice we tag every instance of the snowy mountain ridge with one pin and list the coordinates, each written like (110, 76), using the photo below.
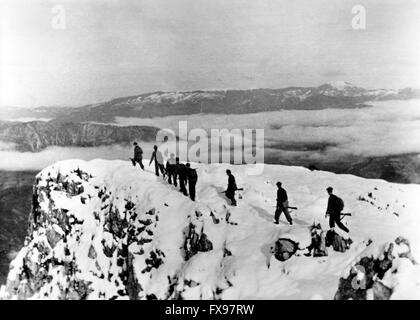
(106, 230)
(332, 88)
(334, 94)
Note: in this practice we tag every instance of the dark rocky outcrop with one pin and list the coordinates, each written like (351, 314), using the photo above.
(366, 275)
(284, 249)
(15, 205)
(195, 242)
(57, 226)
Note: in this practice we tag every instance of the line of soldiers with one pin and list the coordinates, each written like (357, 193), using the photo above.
(184, 174)
(188, 176)
(174, 170)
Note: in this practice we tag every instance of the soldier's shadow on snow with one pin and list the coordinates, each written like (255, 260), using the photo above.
(301, 222)
(270, 217)
(221, 192)
(263, 213)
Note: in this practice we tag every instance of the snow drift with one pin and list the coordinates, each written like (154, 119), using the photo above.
(106, 230)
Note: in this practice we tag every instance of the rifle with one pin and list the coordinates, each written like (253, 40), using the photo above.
(237, 189)
(344, 214)
(293, 208)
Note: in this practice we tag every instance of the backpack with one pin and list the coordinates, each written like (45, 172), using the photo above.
(337, 242)
(340, 204)
(138, 152)
(159, 157)
(193, 175)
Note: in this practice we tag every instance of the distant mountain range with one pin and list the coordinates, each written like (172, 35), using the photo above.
(37, 135)
(158, 104)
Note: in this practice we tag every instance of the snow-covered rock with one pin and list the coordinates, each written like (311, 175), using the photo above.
(173, 97)
(340, 85)
(107, 230)
(341, 88)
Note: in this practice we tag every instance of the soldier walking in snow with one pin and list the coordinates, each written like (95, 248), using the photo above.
(334, 208)
(182, 172)
(231, 188)
(282, 205)
(138, 155)
(192, 180)
(171, 169)
(158, 158)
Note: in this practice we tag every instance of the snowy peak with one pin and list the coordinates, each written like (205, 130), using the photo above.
(347, 90)
(336, 88)
(174, 97)
(108, 230)
(340, 85)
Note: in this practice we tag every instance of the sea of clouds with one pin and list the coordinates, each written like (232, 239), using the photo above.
(386, 128)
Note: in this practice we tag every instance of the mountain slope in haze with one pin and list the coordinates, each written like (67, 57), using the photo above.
(37, 135)
(400, 168)
(106, 230)
(32, 114)
(403, 168)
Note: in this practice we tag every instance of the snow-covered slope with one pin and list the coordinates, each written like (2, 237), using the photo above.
(106, 230)
(335, 88)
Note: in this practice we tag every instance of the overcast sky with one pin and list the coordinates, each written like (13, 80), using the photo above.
(119, 48)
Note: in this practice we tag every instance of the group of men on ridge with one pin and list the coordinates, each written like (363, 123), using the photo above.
(188, 176)
(174, 170)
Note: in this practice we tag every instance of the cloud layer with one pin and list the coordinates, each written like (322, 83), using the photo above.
(12, 160)
(386, 128)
